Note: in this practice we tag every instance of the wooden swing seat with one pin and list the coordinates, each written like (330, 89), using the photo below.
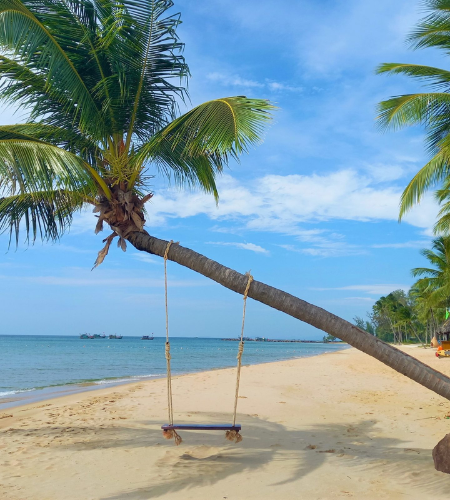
(202, 427)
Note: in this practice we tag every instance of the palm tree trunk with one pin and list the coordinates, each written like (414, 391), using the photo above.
(297, 308)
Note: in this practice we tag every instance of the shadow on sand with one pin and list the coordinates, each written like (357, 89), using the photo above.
(195, 464)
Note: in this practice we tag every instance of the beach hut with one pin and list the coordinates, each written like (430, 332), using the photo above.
(444, 335)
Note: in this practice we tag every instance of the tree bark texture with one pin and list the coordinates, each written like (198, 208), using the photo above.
(297, 308)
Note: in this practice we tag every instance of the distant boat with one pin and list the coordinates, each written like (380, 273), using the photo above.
(115, 336)
(84, 336)
(147, 337)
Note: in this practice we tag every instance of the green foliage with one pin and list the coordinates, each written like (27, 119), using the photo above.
(418, 315)
(101, 81)
(329, 338)
(364, 325)
(429, 109)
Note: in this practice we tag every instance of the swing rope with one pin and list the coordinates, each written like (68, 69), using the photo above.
(234, 435)
(231, 435)
(170, 433)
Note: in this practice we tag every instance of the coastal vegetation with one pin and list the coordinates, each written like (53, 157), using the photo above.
(417, 315)
(102, 81)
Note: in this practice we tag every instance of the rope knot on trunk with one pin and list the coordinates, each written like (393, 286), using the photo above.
(168, 356)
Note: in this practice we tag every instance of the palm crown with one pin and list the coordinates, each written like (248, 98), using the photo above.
(102, 80)
(431, 109)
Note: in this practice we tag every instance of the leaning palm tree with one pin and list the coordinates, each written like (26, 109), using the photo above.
(99, 80)
(430, 109)
(102, 80)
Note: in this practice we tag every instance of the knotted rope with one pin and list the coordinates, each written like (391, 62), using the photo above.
(169, 433)
(234, 435)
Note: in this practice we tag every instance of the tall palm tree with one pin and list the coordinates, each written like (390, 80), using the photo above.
(435, 281)
(430, 109)
(428, 311)
(98, 79)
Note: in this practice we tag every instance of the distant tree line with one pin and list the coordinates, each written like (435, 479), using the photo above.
(415, 316)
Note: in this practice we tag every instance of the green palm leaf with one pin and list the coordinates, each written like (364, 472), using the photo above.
(429, 175)
(225, 127)
(171, 161)
(412, 109)
(25, 36)
(47, 214)
(196, 146)
(29, 166)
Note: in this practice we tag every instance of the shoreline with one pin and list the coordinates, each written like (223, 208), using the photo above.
(31, 396)
(329, 427)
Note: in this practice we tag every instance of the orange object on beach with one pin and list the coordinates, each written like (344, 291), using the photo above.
(440, 348)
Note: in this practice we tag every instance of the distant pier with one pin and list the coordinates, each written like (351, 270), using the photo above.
(262, 339)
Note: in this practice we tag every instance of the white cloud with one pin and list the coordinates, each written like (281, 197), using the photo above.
(284, 204)
(278, 203)
(231, 80)
(352, 300)
(406, 244)
(103, 278)
(380, 289)
(245, 246)
(327, 247)
(280, 87)
(144, 257)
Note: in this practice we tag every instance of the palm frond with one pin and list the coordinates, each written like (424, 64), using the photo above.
(160, 61)
(433, 30)
(420, 271)
(223, 127)
(30, 40)
(200, 170)
(47, 214)
(435, 77)
(411, 109)
(196, 146)
(67, 139)
(429, 175)
(29, 166)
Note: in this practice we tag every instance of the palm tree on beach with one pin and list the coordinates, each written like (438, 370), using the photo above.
(427, 310)
(435, 281)
(102, 81)
(430, 109)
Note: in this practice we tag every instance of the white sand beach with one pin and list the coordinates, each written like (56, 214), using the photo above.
(338, 425)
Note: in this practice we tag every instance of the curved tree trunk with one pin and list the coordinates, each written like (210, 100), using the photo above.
(315, 316)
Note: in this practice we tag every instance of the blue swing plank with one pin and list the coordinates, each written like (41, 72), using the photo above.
(202, 427)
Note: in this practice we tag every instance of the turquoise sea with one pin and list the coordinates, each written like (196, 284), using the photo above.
(38, 367)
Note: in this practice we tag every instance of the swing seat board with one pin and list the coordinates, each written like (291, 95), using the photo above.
(202, 427)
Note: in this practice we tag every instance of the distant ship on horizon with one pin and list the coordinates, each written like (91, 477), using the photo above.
(95, 336)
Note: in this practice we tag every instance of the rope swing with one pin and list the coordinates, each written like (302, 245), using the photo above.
(169, 433)
(234, 435)
(169, 430)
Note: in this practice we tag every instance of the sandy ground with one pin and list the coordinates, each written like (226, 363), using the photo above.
(339, 425)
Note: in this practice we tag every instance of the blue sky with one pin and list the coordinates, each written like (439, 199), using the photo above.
(313, 210)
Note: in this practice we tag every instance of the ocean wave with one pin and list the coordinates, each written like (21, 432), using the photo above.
(131, 378)
(12, 393)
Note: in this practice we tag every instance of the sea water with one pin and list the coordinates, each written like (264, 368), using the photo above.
(37, 367)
